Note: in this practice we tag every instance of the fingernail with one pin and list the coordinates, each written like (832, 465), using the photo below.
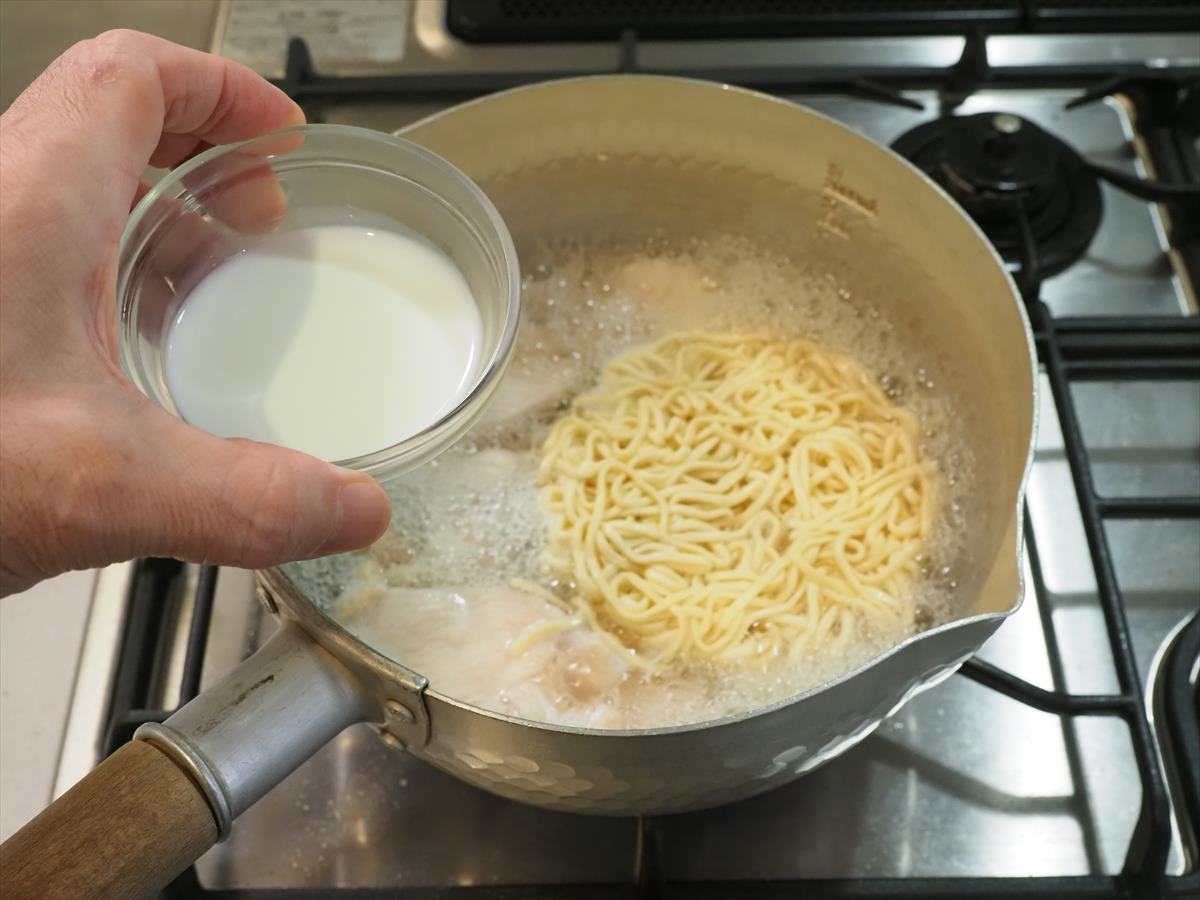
(364, 512)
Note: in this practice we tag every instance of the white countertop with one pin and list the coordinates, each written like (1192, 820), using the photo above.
(41, 633)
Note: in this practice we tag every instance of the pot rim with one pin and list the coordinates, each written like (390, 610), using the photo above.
(330, 633)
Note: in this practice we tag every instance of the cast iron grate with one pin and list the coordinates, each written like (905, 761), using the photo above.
(499, 21)
(1070, 350)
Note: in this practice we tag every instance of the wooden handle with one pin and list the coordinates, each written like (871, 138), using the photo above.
(125, 830)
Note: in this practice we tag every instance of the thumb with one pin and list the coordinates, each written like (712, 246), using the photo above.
(242, 503)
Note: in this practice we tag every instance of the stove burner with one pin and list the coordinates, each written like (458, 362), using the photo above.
(1030, 192)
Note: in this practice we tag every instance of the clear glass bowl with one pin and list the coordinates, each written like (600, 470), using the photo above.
(229, 198)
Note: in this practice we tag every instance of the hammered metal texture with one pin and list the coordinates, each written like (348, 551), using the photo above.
(579, 156)
(644, 774)
(766, 169)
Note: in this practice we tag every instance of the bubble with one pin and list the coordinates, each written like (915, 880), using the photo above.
(472, 517)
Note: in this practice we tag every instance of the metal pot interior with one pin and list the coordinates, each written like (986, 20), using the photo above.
(620, 162)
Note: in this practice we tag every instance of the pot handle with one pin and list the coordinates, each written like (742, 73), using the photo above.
(160, 801)
(125, 830)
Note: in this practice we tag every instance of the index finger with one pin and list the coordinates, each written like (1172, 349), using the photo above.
(134, 91)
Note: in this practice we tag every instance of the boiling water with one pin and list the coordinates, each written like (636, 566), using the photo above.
(336, 340)
(437, 593)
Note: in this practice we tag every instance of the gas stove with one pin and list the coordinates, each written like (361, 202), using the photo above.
(1065, 759)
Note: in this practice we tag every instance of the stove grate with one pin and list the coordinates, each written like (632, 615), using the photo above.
(1070, 350)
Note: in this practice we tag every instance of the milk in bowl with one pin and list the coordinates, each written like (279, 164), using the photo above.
(335, 290)
(336, 340)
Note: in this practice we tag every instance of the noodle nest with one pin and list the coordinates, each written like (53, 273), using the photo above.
(735, 498)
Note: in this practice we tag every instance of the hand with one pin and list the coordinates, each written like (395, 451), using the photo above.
(92, 472)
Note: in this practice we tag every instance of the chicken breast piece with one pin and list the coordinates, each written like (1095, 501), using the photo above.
(463, 640)
(544, 372)
(667, 293)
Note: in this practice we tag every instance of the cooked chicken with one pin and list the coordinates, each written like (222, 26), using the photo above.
(465, 641)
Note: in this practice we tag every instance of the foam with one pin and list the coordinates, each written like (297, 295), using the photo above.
(469, 523)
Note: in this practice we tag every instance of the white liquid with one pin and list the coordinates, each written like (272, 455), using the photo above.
(336, 340)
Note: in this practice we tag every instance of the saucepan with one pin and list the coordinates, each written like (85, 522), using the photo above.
(585, 157)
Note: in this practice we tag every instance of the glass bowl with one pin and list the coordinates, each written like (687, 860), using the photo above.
(229, 198)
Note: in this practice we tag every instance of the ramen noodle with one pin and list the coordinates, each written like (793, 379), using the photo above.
(731, 497)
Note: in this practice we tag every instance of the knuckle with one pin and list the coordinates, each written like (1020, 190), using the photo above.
(116, 56)
(98, 60)
(82, 67)
(117, 41)
(119, 36)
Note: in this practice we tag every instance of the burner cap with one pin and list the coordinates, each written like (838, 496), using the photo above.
(995, 165)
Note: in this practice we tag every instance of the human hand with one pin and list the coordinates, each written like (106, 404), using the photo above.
(91, 471)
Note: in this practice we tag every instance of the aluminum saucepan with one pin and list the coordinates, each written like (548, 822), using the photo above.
(592, 156)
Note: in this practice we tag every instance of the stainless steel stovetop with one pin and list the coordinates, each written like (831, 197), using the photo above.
(962, 781)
